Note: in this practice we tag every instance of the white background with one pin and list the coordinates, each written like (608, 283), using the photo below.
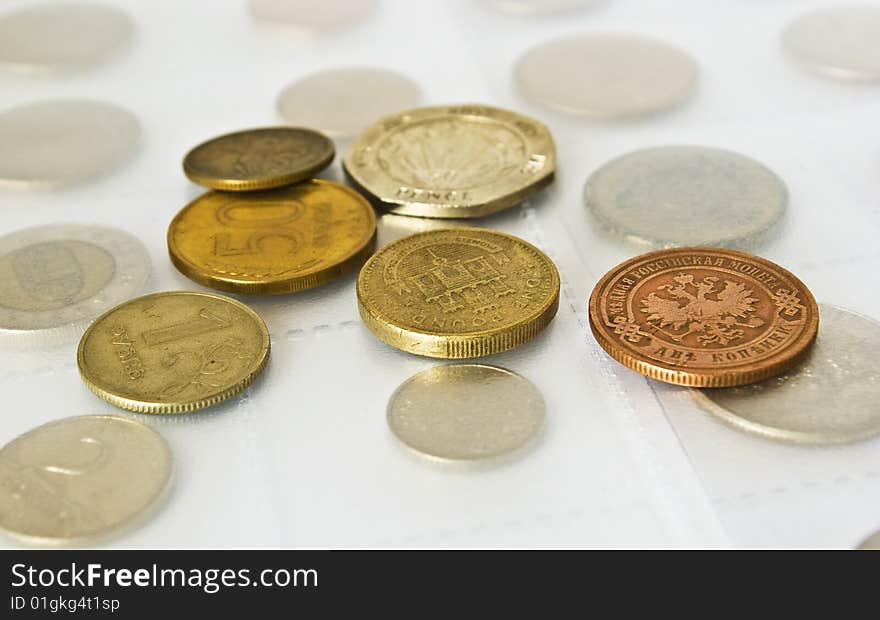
(304, 457)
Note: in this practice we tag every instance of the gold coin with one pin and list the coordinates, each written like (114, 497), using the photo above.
(78, 479)
(271, 242)
(452, 161)
(703, 317)
(259, 158)
(459, 293)
(173, 352)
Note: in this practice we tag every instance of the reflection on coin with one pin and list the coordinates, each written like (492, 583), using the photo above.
(318, 15)
(258, 158)
(65, 36)
(452, 161)
(539, 7)
(460, 293)
(830, 397)
(55, 279)
(64, 141)
(173, 352)
(686, 195)
(703, 317)
(342, 102)
(77, 479)
(271, 242)
(466, 412)
(606, 75)
(841, 42)
(871, 543)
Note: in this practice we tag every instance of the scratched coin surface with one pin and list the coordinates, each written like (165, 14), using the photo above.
(259, 158)
(452, 161)
(55, 37)
(55, 279)
(78, 479)
(830, 397)
(458, 293)
(703, 317)
(173, 352)
(63, 141)
(672, 196)
(342, 102)
(606, 75)
(840, 42)
(466, 412)
(276, 241)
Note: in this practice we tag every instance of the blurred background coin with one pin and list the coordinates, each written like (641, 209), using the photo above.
(55, 279)
(671, 196)
(75, 480)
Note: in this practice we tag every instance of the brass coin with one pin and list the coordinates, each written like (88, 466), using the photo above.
(460, 293)
(259, 158)
(77, 479)
(173, 352)
(271, 242)
(452, 161)
(466, 412)
(703, 317)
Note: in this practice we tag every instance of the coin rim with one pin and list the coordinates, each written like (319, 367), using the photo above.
(133, 521)
(668, 373)
(458, 346)
(147, 406)
(292, 284)
(265, 182)
(491, 198)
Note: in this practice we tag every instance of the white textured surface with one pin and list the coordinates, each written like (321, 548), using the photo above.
(304, 458)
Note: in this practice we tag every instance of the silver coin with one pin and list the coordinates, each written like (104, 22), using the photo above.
(55, 279)
(79, 479)
(55, 37)
(831, 397)
(606, 75)
(672, 196)
(842, 42)
(466, 412)
(315, 15)
(872, 543)
(59, 142)
(342, 102)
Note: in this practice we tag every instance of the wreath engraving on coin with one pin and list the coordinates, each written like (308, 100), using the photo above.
(698, 316)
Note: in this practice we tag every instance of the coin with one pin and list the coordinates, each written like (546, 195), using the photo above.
(830, 397)
(258, 158)
(671, 196)
(316, 15)
(466, 412)
(872, 543)
(55, 279)
(173, 352)
(606, 75)
(459, 293)
(63, 141)
(77, 479)
(841, 42)
(277, 241)
(323, 100)
(64, 36)
(703, 317)
(452, 161)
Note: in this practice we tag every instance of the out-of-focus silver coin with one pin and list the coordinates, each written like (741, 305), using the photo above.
(466, 412)
(540, 7)
(831, 397)
(606, 75)
(57, 142)
(842, 42)
(872, 543)
(315, 15)
(55, 279)
(55, 37)
(342, 102)
(77, 479)
(672, 196)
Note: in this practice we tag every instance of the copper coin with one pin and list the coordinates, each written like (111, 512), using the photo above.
(703, 317)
